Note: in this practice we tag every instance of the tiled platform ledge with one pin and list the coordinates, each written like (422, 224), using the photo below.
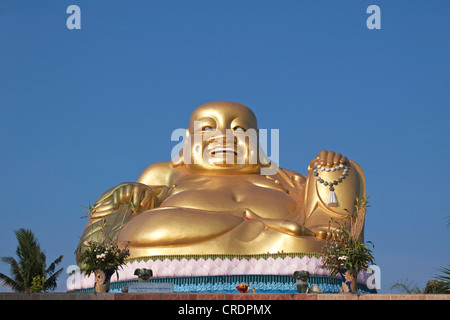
(217, 296)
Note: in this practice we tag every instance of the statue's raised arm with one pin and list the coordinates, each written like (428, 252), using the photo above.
(336, 190)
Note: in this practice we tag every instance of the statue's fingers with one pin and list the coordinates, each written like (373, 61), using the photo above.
(117, 197)
(107, 210)
(127, 192)
(344, 160)
(146, 200)
(102, 209)
(321, 234)
(322, 157)
(106, 205)
(137, 195)
(115, 200)
(330, 158)
(337, 157)
(313, 162)
(121, 196)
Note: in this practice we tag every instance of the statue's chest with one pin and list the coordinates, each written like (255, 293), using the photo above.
(229, 193)
(230, 185)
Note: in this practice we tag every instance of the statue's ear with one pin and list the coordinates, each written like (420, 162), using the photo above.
(137, 272)
(295, 275)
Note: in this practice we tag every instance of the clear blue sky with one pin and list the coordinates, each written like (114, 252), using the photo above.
(83, 110)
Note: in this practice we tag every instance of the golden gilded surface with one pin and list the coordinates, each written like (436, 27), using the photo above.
(201, 203)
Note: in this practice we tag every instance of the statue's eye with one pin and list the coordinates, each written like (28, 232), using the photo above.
(238, 129)
(207, 128)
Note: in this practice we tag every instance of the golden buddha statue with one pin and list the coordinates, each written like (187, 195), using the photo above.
(216, 198)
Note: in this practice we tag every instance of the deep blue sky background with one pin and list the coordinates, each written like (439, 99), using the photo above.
(83, 110)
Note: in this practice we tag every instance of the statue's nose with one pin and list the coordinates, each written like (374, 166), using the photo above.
(224, 139)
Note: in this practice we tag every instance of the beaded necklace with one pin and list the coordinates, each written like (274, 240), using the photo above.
(332, 200)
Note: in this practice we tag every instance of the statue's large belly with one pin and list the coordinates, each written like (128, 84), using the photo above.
(266, 203)
(205, 200)
(191, 218)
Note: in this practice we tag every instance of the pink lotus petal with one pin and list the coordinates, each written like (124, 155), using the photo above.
(165, 273)
(199, 272)
(209, 266)
(184, 262)
(200, 261)
(278, 264)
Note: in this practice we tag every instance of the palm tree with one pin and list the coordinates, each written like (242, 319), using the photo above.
(444, 280)
(406, 286)
(31, 265)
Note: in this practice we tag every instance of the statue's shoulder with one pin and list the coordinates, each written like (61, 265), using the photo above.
(159, 173)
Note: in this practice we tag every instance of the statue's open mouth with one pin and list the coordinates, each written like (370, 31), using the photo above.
(223, 150)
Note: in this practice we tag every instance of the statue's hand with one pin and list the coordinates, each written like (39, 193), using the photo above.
(286, 226)
(115, 208)
(327, 235)
(139, 196)
(329, 158)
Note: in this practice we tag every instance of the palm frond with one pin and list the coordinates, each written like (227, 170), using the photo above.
(50, 283)
(31, 263)
(8, 282)
(52, 266)
(406, 286)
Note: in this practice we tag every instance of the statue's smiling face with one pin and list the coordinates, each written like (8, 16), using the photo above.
(223, 139)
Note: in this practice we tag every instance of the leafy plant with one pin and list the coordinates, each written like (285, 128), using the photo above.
(106, 255)
(406, 286)
(87, 211)
(432, 287)
(442, 284)
(37, 284)
(444, 278)
(30, 265)
(346, 250)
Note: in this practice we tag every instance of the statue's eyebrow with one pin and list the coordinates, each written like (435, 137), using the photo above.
(208, 121)
(238, 121)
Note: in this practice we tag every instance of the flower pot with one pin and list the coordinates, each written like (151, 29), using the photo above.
(102, 280)
(349, 281)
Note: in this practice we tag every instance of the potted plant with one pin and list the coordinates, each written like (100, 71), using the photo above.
(346, 254)
(103, 259)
